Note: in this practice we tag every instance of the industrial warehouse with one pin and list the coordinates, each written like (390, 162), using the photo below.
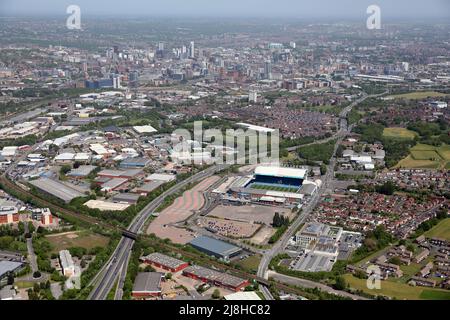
(216, 248)
(215, 278)
(164, 262)
(64, 191)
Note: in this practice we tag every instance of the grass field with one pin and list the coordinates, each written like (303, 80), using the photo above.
(84, 239)
(399, 133)
(24, 284)
(251, 263)
(427, 157)
(441, 230)
(435, 295)
(398, 290)
(418, 95)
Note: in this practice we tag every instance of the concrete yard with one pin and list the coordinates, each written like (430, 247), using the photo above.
(250, 213)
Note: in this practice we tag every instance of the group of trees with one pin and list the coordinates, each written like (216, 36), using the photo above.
(318, 152)
(40, 291)
(12, 239)
(375, 240)
(279, 220)
(387, 188)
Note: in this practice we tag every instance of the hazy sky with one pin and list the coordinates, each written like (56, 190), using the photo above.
(405, 9)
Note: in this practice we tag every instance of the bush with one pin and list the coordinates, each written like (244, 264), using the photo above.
(340, 283)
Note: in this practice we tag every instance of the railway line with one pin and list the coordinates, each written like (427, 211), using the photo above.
(57, 210)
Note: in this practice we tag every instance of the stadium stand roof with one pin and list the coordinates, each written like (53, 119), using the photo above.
(281, 172)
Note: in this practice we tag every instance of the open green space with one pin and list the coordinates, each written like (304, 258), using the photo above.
(24, 284)
(84, 239)
(399, 133)
(427, 157)
(441, 230)
(418, 95)
(435, 295)
(317, 152)
(398, 290)
(251, 263)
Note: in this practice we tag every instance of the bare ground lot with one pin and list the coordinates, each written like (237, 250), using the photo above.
(249, 213)
(84, 239)
(263, 235)
(182, 208)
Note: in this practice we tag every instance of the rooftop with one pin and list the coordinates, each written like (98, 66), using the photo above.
(164, 260)
(212, 275)
(148, 282)
(8, 266)
(220, 247)
(57, 189)
(281, 172)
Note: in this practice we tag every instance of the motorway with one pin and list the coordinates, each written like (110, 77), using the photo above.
(118, 262)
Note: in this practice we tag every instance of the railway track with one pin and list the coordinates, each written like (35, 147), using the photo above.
(57, 210)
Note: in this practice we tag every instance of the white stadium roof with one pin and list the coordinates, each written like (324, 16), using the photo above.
(281, 172)
(144, 129)
(254, 127)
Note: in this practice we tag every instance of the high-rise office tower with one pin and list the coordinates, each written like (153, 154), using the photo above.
(267, 69)
(192, 50)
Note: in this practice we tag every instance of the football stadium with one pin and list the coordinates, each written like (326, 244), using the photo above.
(277, 179)
(273, 186)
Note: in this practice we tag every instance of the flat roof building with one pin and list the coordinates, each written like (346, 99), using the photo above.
(113, 184)
(106, 205)
(131, 198)
(216, 278)
(149, 187)
(135, 163)
(161, 177)
(126, 174)
(57, 189)
(147, 284)
(7, 267)
(81, 171)
(165, 262)
(217, 248)
(67, 265)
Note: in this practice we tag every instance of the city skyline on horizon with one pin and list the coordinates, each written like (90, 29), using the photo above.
(323, 9)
